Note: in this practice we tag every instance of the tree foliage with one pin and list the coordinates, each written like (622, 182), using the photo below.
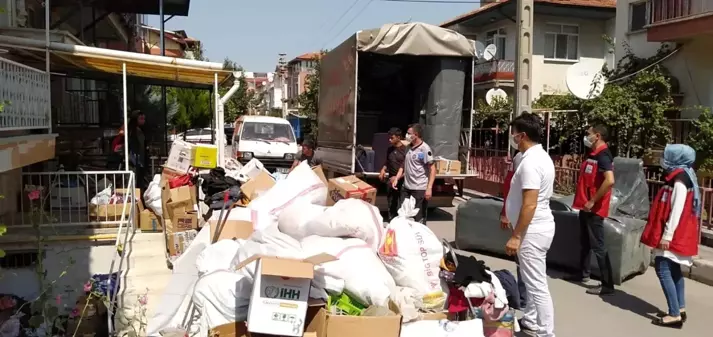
(309, 99)
(633, 105)
(702, 141)
(239, 104)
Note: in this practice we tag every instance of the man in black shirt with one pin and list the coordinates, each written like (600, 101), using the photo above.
(395, 156)
(307, 154)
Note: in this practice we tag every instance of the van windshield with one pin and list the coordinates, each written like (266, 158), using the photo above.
(267, 132)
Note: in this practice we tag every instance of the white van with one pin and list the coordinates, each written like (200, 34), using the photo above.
(269, 139)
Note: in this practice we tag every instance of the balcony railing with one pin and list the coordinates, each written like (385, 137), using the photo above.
(24, 94)
(665, 11)
(494, 70)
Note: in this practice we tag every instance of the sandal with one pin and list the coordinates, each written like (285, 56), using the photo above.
(677, 324)
(684, 316)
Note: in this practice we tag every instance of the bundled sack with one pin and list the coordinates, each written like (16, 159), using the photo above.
(365, 277)
(353, 218)
(412, 254)
(294, 218)
(217, 256)
(301, 184)
(222, 297)
(267, 242)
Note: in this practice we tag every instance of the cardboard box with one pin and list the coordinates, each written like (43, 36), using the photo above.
(149, 222)
(254, 187)
(178, 242)
(445, 166)
(349, 187)
(320, 173)
(180, 157)
(124, 192)
(185, 221)
(278, 303)
(232, 229)
(176, 201)
(168, 174)
(324, 324)
(205, 156)
(239, 329)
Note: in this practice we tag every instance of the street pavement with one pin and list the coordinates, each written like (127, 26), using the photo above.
(628, 313)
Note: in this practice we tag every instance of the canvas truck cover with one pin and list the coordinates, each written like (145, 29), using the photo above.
(338, 82)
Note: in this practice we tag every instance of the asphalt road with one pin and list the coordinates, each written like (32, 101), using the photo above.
(628, 313)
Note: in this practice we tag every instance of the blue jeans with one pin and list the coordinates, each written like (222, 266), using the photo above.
(671, 279)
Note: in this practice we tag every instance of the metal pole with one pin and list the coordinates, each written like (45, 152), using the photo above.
(47, 62)
(160, 13)
(163, 87)
(126, 119)
(523, 69)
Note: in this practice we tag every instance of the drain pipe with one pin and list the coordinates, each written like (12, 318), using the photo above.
(220, 116)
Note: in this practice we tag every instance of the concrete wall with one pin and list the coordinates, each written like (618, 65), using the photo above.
(692, 65)
(548, 76)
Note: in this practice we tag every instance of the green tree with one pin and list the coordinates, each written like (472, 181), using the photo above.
(239, 103)
(702, 141)
(309, 99)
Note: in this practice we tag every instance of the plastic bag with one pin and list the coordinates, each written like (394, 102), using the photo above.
(152, 196)
(365, 277)
(352, 218)
(412, 254)
(103, 197)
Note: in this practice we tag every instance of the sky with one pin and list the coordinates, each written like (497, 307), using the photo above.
(253, 33)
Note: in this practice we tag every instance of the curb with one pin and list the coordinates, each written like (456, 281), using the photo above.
(702, 271)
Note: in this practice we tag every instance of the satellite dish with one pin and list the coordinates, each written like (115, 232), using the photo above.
(494, 95)
(479, 49)
(585, 80)
(489, 52)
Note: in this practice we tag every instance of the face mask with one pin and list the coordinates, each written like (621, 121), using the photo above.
(409, 137)
(587, 142)
(513, 143)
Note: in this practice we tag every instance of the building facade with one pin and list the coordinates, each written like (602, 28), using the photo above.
(565, 32)
(687, 27)
(297, 71)
(176, 43)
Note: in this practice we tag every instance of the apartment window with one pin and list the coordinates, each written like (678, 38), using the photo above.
(561, 42)
(497, 37)
(637, 16)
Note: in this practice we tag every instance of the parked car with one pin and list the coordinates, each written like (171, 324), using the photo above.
(202, 135)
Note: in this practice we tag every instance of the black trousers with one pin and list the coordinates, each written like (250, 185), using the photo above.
(421, 202)
(393, 196)
(592, 240)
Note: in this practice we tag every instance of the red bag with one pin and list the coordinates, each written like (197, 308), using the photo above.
(184, 180)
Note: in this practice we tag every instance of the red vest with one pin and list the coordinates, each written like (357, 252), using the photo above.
(588, 183)
(685, 238)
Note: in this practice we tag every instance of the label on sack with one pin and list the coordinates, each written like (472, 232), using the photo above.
(389, 248)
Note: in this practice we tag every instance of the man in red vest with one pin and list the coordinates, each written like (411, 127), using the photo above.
(592, 197)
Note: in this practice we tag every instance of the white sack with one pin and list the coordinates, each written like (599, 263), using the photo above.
(301, 184)
(217, 256)
(294, 218)
(222, 297)
(365, 277)
(251, 170)
(412, 254)
(269, 242)
(259, 219)
(442, 328)
(152, 196)
(354, 218)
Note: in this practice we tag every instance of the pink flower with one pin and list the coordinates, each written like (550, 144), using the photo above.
(75, 313)
(143, 299)
(34, 195)
(88, 287)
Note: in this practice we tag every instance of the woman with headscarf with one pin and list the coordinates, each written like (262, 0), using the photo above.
(672, 229)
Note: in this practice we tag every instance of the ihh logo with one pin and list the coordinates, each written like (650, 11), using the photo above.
(282, 293)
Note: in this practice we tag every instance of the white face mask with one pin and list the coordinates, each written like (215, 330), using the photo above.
(587, 142)
(513, 143)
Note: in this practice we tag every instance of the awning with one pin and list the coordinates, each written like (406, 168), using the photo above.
(165, 72)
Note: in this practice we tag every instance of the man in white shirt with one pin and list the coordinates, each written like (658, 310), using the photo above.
(528, 211)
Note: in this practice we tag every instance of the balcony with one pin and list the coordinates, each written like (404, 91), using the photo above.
(24, 90)
(676, 20)
(494, 70)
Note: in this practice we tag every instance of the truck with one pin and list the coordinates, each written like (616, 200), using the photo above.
(395, 76)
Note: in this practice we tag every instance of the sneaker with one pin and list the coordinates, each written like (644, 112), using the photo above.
(526, 329)
(600, 291)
